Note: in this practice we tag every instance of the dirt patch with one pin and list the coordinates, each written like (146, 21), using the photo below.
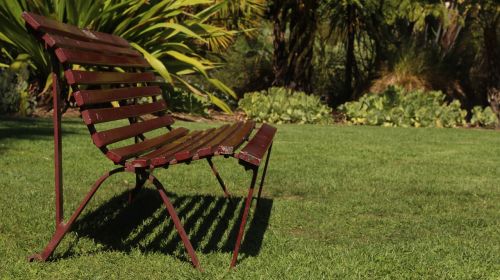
(213, 116)
(407, 81)
(42, 112)
(291, 197)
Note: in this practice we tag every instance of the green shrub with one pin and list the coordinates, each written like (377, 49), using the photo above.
(396, 107)
(9, 98)
(14, 94)
(280, 105)
(248, 63)
(483, 117)
(174, 36)
(186, 102)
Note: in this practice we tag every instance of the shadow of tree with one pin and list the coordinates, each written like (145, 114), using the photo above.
(15, 128)
(29, 128)
(211, 222)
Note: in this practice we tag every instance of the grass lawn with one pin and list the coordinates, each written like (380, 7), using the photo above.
(340, 202)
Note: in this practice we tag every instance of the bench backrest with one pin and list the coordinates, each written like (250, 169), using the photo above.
(114, 72)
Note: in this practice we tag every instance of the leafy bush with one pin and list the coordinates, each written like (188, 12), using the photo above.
(248, 63)
(14, 94)
(173, 35)
(483, 117)
(396, 107)
(9, 98)
(281, 105)
(186, 102)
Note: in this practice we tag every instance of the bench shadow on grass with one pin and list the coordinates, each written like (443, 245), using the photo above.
(211, 222)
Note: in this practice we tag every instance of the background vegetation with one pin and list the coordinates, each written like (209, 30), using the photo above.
(337, 50)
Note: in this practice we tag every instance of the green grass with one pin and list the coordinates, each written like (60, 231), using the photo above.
(340, 202)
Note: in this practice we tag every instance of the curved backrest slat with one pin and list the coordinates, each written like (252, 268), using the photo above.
(98, 78)
(99, 82)
(114, 135)
(41, 23)
(94, 58)
(94, 116)
(58, 41)
(88, 97)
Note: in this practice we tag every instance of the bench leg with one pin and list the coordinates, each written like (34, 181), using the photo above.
(264, 173)
(140, 179)
(219, 179)
(244, 217)
(176, 220)
(62, 228)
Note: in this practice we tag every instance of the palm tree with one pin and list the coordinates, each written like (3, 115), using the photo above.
(294, 28)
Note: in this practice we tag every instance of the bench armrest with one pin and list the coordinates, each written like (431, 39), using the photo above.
(254, 151)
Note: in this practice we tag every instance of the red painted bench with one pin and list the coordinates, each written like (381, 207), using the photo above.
(100, 84)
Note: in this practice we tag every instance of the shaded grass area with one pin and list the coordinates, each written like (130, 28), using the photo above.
(340, 202)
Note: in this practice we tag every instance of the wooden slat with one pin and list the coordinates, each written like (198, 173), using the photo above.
(58, 41)
(167, 150)
(193, 136)
(86, 97)
(93, 116)
(41, 23)
(93, 58)
(170, 154)
(229, 146)
(114, 135)
(254, 151)
(189, 151)
(210, 147)
(93, 78)
(121, 154)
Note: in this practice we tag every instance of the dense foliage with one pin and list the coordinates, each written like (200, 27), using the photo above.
(248, 63)
(483, 117)
(339, 50)
(397, 107)
(180, 100)
(281, 105)
(452, 39)
(171, 34)
(9, 97)
(14, 92)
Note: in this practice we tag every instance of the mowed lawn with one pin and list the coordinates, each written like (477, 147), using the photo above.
(340, 202)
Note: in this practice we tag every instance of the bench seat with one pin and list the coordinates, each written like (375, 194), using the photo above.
(254, 151)
(182, 145)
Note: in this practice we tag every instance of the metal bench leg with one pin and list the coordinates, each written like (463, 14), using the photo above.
(219, 179)
(140, 179)
(176, 220)
(244, 217)
(62, 228)
(264, 173)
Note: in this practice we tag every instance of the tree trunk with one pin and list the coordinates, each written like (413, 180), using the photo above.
(492, 53)
(302, 35)
(350, 60)
(278, 11)
(292, 61)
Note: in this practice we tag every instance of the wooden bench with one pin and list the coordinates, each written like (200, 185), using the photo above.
(100, 84)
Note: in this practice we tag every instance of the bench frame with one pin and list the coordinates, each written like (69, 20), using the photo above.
(248, 160)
